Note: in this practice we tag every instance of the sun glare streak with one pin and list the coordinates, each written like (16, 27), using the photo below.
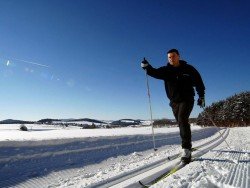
(10, 61)
(24, 61)
(30, 62)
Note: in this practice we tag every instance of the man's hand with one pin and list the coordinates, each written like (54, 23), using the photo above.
(144, 63)
(201, 102)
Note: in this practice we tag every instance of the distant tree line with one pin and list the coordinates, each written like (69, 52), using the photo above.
(47, 121)
(163, 122)
(125, 122)
(12, 121)
(231, 112)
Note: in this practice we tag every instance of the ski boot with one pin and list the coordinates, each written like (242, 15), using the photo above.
(186, 156)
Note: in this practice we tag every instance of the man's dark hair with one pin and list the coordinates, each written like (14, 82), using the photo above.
(173, 50)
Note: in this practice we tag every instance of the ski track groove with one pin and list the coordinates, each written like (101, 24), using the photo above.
(75, 150)
(222, 168)
(29, 177)
(117, 181)
(236, 163)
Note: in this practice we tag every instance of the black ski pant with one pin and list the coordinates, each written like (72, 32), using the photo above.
(182, 111)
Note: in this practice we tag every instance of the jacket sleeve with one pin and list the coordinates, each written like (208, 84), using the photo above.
(159, 73)
(198, 83)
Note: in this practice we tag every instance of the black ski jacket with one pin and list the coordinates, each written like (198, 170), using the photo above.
(179, 81)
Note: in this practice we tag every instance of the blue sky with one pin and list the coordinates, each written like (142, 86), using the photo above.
(93, 50)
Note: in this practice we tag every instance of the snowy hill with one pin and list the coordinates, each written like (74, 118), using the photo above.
(13, 121)
(83, 122)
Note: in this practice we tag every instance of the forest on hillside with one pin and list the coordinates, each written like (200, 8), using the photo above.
(231, 112)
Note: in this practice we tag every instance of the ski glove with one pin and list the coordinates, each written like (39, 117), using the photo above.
(201, 102)
(144, 64)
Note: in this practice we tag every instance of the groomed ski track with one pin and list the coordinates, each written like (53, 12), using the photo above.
(41, 166)
(148, 173)
(28, 163)
(219, 168)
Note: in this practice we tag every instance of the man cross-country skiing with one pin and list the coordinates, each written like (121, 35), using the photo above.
(180, 79)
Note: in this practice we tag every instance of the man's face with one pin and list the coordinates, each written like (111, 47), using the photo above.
(173, 59)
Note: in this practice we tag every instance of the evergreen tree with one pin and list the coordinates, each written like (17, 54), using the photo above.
(233, 111)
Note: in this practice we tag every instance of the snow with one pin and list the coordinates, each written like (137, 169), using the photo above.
(220, 167)
(51, 156)
(46, 132)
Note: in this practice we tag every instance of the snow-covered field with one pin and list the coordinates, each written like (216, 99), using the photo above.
(51, 132)
(221, 167)
(49, 156)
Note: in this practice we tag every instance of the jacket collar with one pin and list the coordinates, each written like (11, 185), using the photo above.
(182, 63)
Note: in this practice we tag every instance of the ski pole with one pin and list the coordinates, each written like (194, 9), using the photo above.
(150, 110)
(210, 118)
